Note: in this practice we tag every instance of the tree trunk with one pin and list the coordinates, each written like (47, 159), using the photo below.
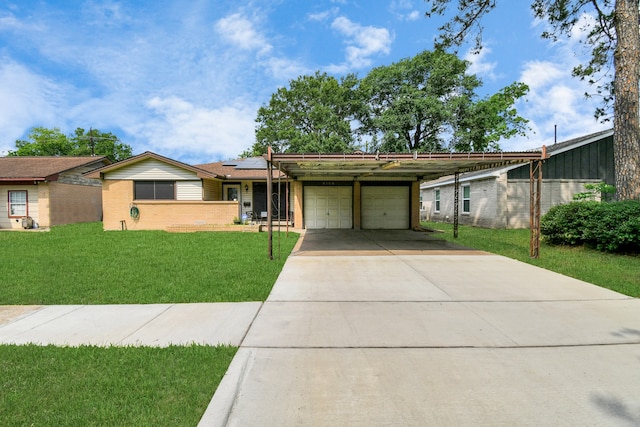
(626, 124)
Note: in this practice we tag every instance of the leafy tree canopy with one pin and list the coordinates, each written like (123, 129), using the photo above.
(313, 115)
(52, 142)
(425, 103)
(428, 103)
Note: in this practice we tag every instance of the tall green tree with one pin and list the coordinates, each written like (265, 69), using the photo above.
(614, 39)
(313, 114)
(52, 142)
(482, 124)
(428, 103)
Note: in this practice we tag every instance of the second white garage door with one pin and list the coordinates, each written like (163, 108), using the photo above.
(385, 207)
(328, 207)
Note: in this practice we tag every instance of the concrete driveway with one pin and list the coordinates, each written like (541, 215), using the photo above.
(402, 328)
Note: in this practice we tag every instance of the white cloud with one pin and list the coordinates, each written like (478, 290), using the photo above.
(323, 16)
(479, 64)
(363, 42)
(183, 130)
(555, 101)
(285, 69)
(28, 100)
(539, 74)
(404, 10)
(241, 32)
(413, 15)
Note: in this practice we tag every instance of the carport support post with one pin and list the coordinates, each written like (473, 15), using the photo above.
(269, 191)
(535, 189)
(456, 203)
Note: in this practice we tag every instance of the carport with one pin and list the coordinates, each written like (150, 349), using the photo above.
(382, 191)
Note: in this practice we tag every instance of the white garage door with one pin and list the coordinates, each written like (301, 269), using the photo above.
(385, 208)
(328, 207)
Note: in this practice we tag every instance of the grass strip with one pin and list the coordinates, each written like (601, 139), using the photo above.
(82, 264)
(90, 386)
(620, 273)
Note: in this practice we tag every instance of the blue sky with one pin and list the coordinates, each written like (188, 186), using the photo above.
(185, 79)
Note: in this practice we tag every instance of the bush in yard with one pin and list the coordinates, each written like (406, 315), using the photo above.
(611, 227)
(565, 224)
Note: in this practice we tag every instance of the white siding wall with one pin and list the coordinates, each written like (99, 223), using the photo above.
(188, 190)
(151, 169)
(32, 199)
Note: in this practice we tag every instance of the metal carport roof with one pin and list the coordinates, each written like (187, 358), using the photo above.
(421, 166)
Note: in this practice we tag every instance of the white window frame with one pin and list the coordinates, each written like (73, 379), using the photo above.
(436, 196)
(466, 207)
(11, 204)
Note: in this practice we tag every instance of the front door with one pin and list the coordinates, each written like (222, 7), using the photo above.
(231, 192)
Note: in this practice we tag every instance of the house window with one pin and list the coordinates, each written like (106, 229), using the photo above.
(437, 192)
(18, 203)
(466, 199)
(154, 190)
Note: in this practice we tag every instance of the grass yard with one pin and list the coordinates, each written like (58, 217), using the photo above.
(116, 386)
(616, 272)
(82, 264)
(142, 386)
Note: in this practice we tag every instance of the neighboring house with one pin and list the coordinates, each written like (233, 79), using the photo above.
(152, 192)
(499, 197)
(48, 191)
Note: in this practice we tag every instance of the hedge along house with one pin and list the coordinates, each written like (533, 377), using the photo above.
(499, 197)
(374, 191)
(47, 191)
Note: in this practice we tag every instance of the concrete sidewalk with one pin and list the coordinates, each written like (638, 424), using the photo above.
(432, 338)
(157, 325)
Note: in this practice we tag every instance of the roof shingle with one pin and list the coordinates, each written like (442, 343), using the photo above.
(41, 167)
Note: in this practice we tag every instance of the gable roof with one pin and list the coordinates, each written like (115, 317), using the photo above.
(201, 173)
(240, 169)
(574, 143)
(552, 150)
(43, 168)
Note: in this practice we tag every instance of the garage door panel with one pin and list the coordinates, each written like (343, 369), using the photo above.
(385, 207)
(328, 207)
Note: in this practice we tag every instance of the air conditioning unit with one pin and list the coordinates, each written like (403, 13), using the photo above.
(27, 222)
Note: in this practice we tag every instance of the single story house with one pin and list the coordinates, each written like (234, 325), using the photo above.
(373, 190)
(153, 192)
(500, 197)
(46, 191)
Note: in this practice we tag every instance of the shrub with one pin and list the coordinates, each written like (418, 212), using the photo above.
(565, 224)
(611, 227)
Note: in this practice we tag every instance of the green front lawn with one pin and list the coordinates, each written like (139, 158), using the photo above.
(116, 386)
(82, 264)
(616, 272)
